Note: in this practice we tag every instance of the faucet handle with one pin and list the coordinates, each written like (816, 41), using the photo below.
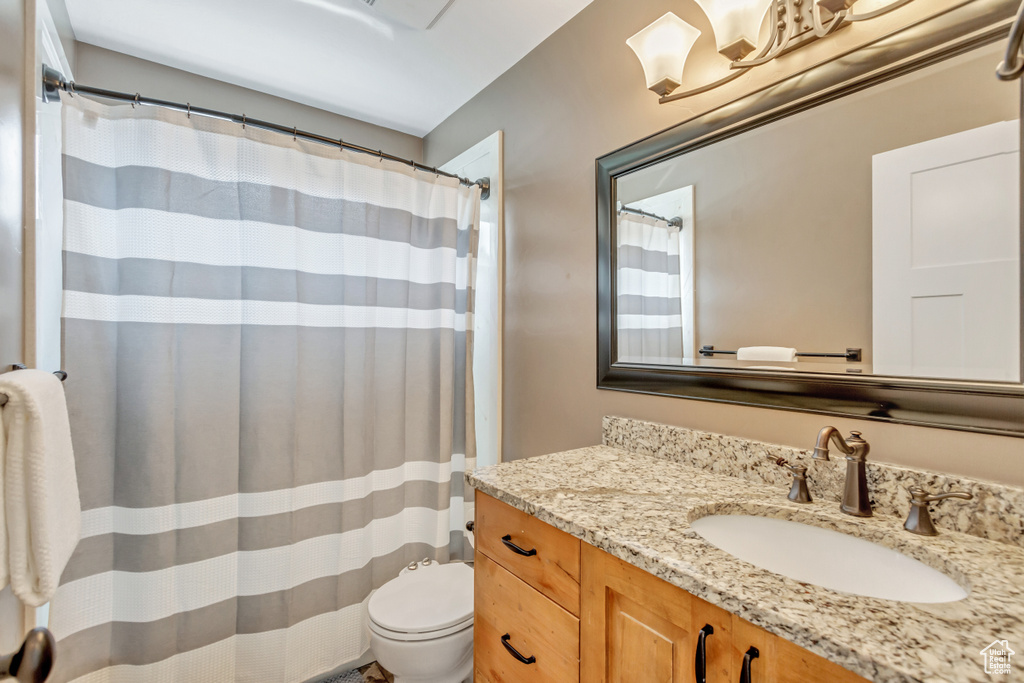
(919, 521)
(799, 493)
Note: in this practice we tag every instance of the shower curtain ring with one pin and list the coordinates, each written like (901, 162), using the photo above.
(295, 134)
(380, 153)
(189, 105)
(136, 100)
(341, 145)
(243, 121)
(70, 88)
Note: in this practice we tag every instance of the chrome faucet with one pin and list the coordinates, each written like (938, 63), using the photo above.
(856, 500)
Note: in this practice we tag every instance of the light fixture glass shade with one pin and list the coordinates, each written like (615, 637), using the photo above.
(736, 23)
(662, 49)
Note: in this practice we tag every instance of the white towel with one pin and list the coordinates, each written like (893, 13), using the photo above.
(771, 353)
(41, 511)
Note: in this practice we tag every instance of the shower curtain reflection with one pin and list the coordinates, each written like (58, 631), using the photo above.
(651, 325)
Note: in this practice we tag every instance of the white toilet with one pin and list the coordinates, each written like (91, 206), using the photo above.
(421, 624)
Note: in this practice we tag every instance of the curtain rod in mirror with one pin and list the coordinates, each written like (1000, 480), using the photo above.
(676, 222)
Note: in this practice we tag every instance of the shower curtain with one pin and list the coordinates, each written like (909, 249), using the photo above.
(267, 343)
(648, 292)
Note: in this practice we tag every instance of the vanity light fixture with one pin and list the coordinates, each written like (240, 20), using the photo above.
(664, 46)
(662, 49)
(736, 23)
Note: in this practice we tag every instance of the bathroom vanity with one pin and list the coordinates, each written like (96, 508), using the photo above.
(583, 614)
(588, 568)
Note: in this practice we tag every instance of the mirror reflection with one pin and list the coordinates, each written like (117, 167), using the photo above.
(878, 233)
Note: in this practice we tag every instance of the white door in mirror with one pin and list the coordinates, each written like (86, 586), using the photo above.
(828, 559)
(946, 257)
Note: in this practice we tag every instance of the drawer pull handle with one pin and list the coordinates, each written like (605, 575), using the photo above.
(700, 657)
(507, 540)
(514, 652)
(752, 654)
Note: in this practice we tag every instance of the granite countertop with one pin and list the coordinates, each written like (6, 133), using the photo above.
(639, 508)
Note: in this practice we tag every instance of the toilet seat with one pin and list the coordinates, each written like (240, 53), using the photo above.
(430, 602)
(426, 635)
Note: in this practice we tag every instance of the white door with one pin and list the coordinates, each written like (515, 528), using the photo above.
(484, 160)
(946, 257)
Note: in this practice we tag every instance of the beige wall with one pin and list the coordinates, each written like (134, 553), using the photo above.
(15, 65)
(579, 95)
(65, 32)
(115, 71)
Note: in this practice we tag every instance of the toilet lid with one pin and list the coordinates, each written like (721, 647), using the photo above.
(427, 599)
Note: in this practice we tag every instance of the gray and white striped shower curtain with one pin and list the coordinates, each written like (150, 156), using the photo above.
(268, 343)
(649, 327)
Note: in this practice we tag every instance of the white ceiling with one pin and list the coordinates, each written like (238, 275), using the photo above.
(377, 63)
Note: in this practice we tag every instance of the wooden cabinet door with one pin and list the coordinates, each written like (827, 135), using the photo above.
(781, 661)
(636, 628)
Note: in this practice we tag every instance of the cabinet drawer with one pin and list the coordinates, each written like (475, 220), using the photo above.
(536, 627)
(552, 560)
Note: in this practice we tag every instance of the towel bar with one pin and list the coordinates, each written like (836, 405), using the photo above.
(852, 355)
(61, 375)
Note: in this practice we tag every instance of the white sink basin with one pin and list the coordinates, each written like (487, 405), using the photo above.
(827, 558)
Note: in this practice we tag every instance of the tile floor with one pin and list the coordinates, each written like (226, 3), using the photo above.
(371, 673)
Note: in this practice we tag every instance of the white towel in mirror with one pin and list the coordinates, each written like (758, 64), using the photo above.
(769, 353)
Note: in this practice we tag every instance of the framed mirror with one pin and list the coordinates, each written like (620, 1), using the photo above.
(846, 242)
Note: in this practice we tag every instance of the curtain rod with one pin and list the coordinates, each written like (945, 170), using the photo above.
(673, 222)
(54, 81)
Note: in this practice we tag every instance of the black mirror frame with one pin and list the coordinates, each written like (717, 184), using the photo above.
(970, 406)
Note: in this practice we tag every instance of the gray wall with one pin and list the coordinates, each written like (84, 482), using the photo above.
(115, 71)
(577, 96)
